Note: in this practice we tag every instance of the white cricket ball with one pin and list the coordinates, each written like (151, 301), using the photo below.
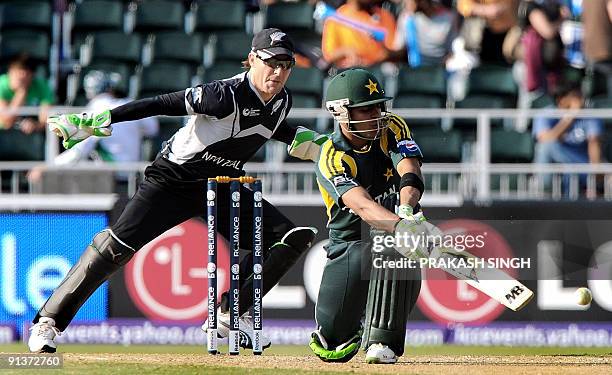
(583, 296)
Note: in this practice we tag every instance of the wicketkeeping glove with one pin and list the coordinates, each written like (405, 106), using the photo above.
(306, 144)
(75, 128)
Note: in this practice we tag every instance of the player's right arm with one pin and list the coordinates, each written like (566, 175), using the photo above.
(362, 204)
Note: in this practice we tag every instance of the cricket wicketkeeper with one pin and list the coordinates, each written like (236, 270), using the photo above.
(229, 120)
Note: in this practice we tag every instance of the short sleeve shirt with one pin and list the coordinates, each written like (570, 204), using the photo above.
(340, 169)
(39, 92)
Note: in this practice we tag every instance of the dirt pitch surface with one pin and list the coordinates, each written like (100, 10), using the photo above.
(420, 364)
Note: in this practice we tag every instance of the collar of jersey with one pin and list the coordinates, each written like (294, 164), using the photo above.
(340, 143)
(248, 77)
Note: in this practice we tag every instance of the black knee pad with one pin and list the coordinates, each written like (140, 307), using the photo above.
(105, 255)
(300, 238)
(111, 248)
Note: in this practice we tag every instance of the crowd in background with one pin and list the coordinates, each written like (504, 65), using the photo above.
(541, 39)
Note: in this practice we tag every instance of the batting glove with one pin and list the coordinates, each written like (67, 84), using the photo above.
(411, 236)
(74, 128)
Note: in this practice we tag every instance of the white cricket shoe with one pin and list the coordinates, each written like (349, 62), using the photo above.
(43, 335)
(379, 353)
(246, 330)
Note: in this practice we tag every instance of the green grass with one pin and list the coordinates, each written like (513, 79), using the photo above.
(304, 350)
(121, 366)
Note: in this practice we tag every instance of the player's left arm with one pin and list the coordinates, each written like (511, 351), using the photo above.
(411, 183)
(407, 158)
(302, 143)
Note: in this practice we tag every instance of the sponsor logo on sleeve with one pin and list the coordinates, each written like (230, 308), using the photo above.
(408, 147)
(342, 180)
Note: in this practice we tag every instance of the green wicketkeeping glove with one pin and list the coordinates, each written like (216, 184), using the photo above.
(306, 144)
(75, 128)
(342, 353)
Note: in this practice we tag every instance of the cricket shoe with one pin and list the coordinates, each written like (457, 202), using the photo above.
(42, 337)
(379, 353)
(245, 332)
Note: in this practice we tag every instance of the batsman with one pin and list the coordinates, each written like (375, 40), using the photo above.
(229, 120)
(367, 171)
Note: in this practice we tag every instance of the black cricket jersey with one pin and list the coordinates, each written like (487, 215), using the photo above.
(228, 123)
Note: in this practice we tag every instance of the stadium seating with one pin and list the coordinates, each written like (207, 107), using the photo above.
(491, 87)
(421, 88)
(16, 145)
(542, 101)
(290, 17)
(232, 46)
(217, 15)
(307, 82)
(97, 15)
(164, 77)
(222, 71)
(510, 146)
(595, 85)
(34, 43)
(439, 146)
(26, 14)
(157, 15)
(117, 47)
(178, 46)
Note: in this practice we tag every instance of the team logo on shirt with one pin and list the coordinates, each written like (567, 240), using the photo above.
(388, 174)
(277, 105)
(250, 112)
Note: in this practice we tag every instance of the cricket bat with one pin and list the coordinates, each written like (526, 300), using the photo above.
(493, 282)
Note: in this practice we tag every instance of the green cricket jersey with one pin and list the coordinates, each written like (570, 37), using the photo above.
(340, 168)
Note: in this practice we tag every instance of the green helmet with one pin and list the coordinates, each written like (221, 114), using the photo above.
(355, 88)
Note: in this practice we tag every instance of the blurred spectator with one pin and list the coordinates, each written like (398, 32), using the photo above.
(426, 29)
(19, 88)
(597, 21)
(345, 46)
(499, 17)
(572, 34)
(569, 139)
(542, 45)
(124, 145)
(269, 2)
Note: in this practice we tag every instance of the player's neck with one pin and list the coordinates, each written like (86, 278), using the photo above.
(358, 144)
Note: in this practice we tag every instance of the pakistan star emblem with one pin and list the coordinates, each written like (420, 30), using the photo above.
(389, 173)
(372, 86)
